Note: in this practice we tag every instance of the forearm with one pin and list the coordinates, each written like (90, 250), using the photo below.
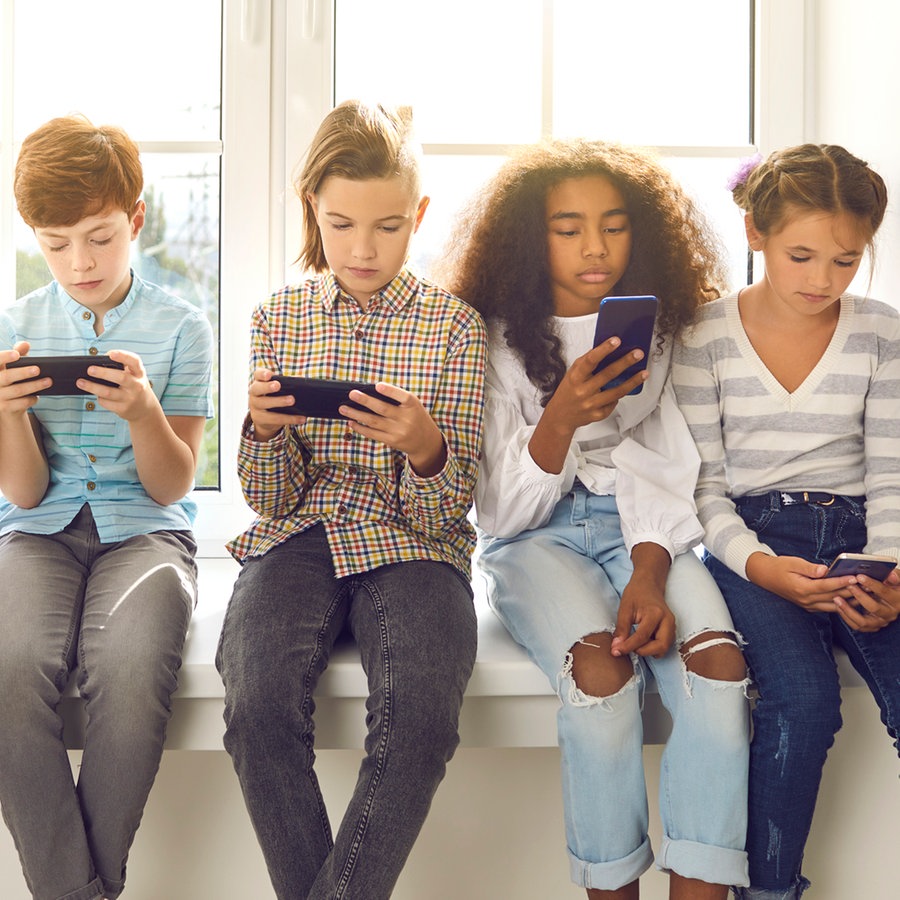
(166, 463)
(24, 473)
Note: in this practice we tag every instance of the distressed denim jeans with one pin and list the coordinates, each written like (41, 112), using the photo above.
(553, 586)
(791, 658)
(118, 615)
(415, 625)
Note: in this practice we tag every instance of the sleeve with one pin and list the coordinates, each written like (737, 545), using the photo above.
(273, 474)
(882, 446)
(438, 503)
(656, 472)
(513, 493)
(189, 387)
(696, 385)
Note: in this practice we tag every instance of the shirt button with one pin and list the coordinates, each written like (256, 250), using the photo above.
(359, 334)
(90, 406)
(342, 509)
(348, 435)
(93, 351)
(92, 486)
(92, 458)
(86, 316)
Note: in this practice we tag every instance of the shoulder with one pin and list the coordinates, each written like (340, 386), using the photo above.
(710, 324)
(157, 302)
(874, 315)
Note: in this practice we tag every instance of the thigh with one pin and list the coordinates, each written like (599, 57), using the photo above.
(695, 599)
(549, 594)
(788, 650)
(41, 592)
(139, 596)
(285, 613)
(415, 620)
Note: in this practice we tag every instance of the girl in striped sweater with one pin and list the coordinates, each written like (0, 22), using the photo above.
(790, 389)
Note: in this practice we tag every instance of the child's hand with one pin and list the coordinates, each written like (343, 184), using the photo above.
(874, 603)
(15, 396)
(581, 399)
(406, 427)
(133, 399)
(267, 421)
(797, 580)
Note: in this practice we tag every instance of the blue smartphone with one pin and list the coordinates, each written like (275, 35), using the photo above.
(631, 319)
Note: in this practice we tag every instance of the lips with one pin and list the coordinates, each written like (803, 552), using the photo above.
(87, 285)
(594, 276)
(363, 273)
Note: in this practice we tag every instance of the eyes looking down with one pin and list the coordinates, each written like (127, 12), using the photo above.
(588, 242)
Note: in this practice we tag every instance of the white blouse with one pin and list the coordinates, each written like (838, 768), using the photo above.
(643, 453)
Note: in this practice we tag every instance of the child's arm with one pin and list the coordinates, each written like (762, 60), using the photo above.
(24, 473)
(645, 625)
(165, 447)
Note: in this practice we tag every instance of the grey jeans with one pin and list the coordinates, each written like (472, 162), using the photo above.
(416, 629)
(118, 613)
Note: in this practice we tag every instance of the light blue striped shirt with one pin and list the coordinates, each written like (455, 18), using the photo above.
(89, 448)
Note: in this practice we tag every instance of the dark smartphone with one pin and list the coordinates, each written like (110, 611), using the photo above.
(320, 398)
(631, 319)
(877, 567)
(65, 371)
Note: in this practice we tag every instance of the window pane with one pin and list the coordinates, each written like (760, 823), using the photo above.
(653, 72)
(472, 75)
(154, 69)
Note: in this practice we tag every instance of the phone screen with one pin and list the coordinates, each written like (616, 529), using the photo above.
(631, 319)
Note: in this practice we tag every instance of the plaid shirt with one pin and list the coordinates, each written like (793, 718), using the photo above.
(374, 508)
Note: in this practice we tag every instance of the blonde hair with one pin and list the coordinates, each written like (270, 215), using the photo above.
(358, 142)
(812, 177)
(69, 169)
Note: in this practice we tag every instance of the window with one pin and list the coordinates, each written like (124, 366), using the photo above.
(223, 97)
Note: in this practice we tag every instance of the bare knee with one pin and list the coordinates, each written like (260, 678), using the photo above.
(596, 672)
(715, 655)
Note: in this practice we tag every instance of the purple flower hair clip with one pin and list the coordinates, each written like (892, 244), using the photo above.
(742, 173)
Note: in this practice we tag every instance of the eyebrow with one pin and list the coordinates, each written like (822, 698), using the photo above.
(56, 234)
(799, 248)
(396, 216)
(563, 214)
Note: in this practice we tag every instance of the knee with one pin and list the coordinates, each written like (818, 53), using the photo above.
(714, 655)
(595, 671)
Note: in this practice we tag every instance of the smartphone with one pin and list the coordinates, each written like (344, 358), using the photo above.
(320, 398)
(631, 319)
(877, 567)
(65, 371)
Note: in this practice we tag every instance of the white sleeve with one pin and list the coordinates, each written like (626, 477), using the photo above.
(656, 471)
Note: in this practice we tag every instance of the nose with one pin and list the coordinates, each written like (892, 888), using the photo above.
(82, 258)
(363, 246)
(594, 244)
(820, 276)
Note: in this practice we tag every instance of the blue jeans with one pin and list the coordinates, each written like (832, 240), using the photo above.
(791, 658)
(118, 613)
(414, 623)
(553, 586)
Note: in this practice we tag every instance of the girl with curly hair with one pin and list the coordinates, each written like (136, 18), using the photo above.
(585, 506)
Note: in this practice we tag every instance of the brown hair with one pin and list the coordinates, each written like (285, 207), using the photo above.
(357, 142)
(497, 256)
(811, 177)
(69, 169)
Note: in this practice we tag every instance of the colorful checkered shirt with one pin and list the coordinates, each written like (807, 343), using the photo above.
(374, 508)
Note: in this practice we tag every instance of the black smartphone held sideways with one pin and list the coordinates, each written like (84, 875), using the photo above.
(320, 398)
(65, 371)
(631, 319)
(868, 564)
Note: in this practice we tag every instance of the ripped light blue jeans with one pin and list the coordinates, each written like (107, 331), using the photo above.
(553, 586)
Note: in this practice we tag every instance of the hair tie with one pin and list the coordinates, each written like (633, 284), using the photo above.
(742, 173)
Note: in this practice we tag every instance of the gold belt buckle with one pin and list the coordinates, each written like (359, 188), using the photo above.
(818, 502)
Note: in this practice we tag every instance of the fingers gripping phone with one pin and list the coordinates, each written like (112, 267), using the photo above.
(877, 567)
(65, 371)
(631, 319)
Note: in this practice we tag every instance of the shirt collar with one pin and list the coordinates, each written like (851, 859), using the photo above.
(396, 295)
(77, 310)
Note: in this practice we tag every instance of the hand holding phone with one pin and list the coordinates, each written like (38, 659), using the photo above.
(632, 320)
(65, 371)
(868, 564)
(321, 398)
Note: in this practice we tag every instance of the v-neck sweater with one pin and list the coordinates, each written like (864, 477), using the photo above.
(838, 432)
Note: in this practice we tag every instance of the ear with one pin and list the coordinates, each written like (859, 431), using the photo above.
(137, 218)
(754, 239)
(420, 212)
